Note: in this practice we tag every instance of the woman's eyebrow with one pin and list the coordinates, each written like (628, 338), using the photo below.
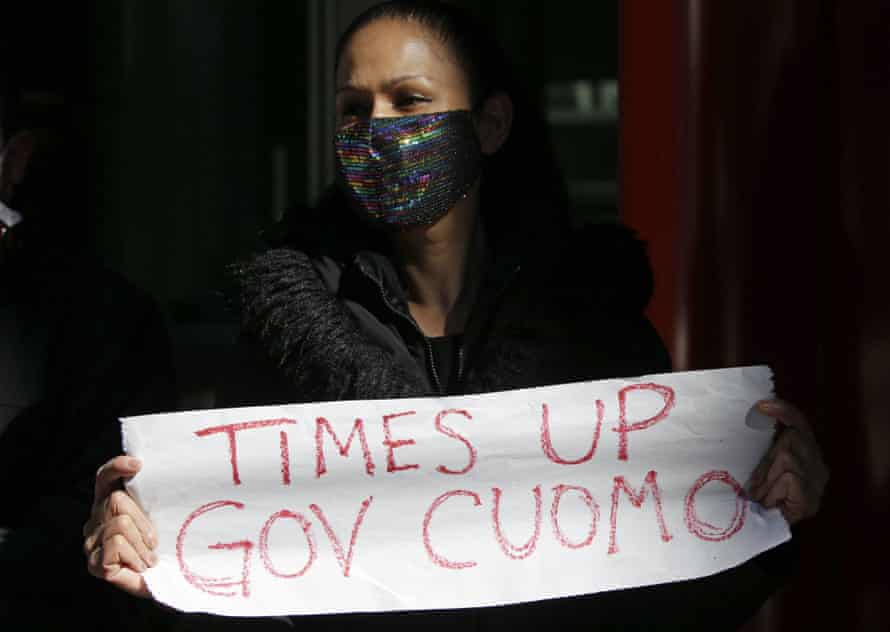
(397, 80)
(387, 85)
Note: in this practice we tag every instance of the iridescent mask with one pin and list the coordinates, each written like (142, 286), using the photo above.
(409, 170)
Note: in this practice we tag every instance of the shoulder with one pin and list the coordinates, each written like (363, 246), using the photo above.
(282, 278)
(587, 294)
(602, 267)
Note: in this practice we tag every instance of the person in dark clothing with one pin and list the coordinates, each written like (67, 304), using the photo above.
(79, 347)
(443, 263)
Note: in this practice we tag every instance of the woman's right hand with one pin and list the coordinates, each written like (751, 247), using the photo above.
(118, 538)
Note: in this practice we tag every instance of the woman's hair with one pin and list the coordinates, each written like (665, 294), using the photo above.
(477, 53)
(522, 185)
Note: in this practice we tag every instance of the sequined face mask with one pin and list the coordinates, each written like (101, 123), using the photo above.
(409, 170)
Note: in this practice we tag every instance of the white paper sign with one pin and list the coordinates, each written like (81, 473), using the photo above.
(468, 501)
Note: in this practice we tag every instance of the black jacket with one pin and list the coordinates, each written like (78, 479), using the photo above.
(326, 326)
(339, 327)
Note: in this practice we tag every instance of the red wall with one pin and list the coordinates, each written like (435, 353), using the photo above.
(653, 167)
(756, 160)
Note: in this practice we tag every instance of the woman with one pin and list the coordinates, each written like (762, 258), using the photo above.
(443, 263)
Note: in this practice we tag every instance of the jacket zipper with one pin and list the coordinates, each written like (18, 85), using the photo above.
(433, 369)
(495, 304)
(429, 347)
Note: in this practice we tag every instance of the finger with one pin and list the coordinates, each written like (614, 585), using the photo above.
(758, 476)
(114, 554)
(109, 475)
(800, 444)
(783, 461)
(92, 541)
(120, 503)
(124, 526)
(804, 448)
(786, 413)
(89, 526)
(109, 565)
(787, 493)
(94, 563)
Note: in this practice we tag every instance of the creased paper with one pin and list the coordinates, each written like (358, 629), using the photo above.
(457, 502)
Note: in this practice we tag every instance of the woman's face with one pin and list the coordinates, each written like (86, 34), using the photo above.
(397, 68)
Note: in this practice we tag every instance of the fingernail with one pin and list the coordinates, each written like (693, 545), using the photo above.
(152, 540)
(152, 558)
(133, 463)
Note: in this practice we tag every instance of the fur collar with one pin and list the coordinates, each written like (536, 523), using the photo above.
(311, 336)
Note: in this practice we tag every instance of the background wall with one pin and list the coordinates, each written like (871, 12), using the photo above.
(203, 120)
(207, 118)
(199, 117)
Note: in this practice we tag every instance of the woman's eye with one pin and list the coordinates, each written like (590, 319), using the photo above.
(353, 110)
(411, 100)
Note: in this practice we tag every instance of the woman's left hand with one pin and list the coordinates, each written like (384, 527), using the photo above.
(792, 475)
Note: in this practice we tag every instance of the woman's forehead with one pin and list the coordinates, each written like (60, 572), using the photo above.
(390, 49)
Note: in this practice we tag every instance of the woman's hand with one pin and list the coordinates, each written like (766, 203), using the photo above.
(792, 475)
(118, 537)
